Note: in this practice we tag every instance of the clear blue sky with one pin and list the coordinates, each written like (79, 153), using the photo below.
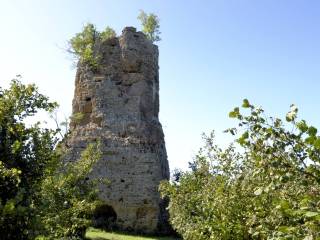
(213, 54)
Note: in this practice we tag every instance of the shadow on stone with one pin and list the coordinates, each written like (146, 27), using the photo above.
(105, 217)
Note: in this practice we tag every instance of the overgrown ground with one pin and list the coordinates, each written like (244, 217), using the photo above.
(96, 234)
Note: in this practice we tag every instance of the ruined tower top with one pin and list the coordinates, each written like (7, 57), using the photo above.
(130, 64)
(119, 104)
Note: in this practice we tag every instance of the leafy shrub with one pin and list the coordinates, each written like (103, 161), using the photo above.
(265, 187)
(107, 34)
(82, 45)
(67, 198)
(77, 117)
(39, 195)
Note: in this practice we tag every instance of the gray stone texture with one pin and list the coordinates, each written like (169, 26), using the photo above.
(120, 105)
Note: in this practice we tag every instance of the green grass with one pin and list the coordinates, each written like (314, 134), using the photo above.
(96, 234)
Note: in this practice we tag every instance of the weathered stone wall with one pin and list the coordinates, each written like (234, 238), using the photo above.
(120, 105)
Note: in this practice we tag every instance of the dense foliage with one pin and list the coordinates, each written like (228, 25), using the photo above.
(24, 153)
(66, 199)
(265, 186)
(150, 26)
(82, 45)
(39, 195)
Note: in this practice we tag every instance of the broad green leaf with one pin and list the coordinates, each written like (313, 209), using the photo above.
(310, 140)
(311, 214)
(302, 126)
(290, 116)
(286, 229)
(245, 103)
(316, 143)
(245, 135)
(9, 207)
(312, 131)
(234, 113)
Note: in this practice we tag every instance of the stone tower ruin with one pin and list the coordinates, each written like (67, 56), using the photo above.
(119, 104)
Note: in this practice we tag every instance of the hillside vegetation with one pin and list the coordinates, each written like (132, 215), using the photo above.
(265, 185)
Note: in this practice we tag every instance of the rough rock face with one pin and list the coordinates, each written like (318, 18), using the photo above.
(120, 104)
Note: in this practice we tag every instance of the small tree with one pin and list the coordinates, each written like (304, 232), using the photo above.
(150, 26)
(107, 34)
(83, 43)
(25, 150)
